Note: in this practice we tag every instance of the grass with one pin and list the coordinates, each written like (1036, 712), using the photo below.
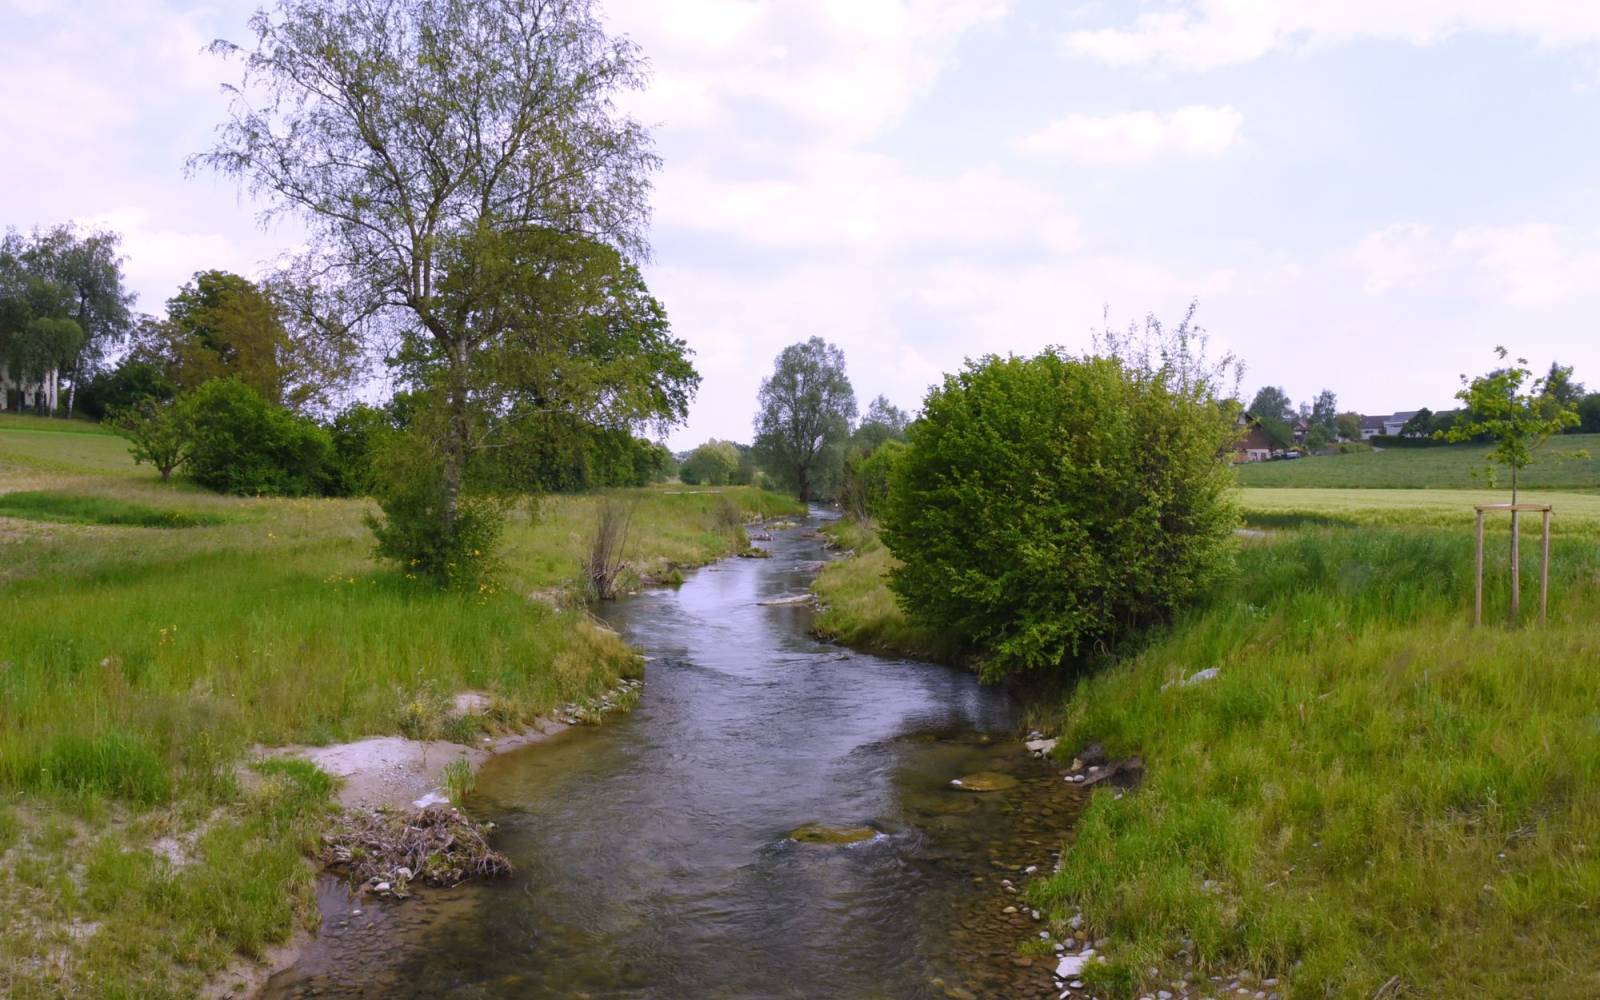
(43, 444)
(138, 668)
(1372, 798)
(858, 609)
(68, 508)
(1568, 462)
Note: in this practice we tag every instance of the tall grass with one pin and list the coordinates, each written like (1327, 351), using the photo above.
(857, 606)
(71, 508)
(1372, 792)
(138, 668)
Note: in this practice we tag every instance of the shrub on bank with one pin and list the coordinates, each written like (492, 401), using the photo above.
(1050, 505)
(244, 445)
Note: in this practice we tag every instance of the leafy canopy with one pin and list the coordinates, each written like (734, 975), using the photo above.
(1517, 421)
(803, 415)
(1052, 504)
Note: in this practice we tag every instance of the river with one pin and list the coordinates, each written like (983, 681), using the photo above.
(654, 856)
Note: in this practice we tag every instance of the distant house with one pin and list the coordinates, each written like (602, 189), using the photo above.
(1254, 445)
(1385, 426)
(41, 395)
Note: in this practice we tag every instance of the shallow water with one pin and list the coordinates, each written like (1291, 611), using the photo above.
(653, 856)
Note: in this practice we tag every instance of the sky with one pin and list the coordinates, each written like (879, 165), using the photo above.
(1366, 196)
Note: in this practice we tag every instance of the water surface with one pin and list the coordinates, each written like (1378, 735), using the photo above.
(653, 853)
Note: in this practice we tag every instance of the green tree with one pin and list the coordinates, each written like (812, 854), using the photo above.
(1348, 425)
(1049, 505)
(1419, 424)
(1589, 413)
(1272, 403)
(1325, 411)
(803, 417)
(453, 159)
(867, 478)
(1517, 421)
(222, 325)
(243, 444)
(88, 265)
(882, 422)
(130, 384)
(160, 432)
(1562, 391)
(1278, 431)
(37, 332)
(711, 464)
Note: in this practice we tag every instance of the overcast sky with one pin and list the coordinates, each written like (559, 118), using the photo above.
(1366, 195)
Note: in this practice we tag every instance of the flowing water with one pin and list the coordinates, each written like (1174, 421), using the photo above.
(654, 856)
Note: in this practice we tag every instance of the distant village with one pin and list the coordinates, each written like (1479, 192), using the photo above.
(1260, 444)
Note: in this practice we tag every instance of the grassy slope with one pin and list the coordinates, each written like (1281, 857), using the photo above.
(859, 611)
(137, 665)
(1370, 791)
(1557, 467)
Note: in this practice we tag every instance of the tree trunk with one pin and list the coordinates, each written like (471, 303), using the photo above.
(72, 388)
(455, 446)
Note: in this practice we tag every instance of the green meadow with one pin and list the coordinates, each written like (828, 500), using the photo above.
(1564, 463)
(155, 634)
(1372, 797)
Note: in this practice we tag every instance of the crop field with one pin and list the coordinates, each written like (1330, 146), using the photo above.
(1568, 462)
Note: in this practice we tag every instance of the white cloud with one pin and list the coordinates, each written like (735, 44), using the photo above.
(868, 202)
(1204, 34)
(841, 66)
(1524, 266)
(1136, 136)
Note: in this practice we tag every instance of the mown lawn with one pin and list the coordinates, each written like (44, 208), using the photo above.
(1372, 798)
(140, 665)
(1568, 462)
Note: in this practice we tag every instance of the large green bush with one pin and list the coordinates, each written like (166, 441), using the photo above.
(408, 483)
(243, 444)
(867, 475)
(1051, 505)
(714, 463)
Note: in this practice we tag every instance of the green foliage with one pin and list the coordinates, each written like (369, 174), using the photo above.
(712, 464)
(803, 418)
(1318, 437)
(129, 385)
(1052, 504)
(867, 475)
(1277, 430)
(112, 763)
(410, 490)
(1420, 423)
(357, 433)
(1589, 414)
(1370, 792)
(80, 274)
(1517, 422)
(222, 325)
(1325, 412)
(158, 432)
(515, 285)
(883, 421)
(1272, 403)
(68, 508)
(1348, 425)
(244, 445)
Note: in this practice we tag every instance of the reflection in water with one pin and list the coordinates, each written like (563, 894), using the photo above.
(653, 852)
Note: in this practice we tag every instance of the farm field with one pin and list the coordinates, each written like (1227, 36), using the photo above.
(1568, 462)
(140, 666)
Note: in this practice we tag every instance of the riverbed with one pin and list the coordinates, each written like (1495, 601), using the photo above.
(655, 855)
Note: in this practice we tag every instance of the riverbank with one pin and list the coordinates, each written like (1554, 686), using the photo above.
(140, 666)
(1348, 790)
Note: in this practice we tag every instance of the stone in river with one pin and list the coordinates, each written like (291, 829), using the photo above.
(985, 781)
(818, 833)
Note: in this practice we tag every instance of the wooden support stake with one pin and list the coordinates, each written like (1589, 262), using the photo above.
(1477, 600)
(1516, 565)
(1544, 571)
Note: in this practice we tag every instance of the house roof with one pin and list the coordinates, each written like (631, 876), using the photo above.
(1373, 423)
(1402, 416)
